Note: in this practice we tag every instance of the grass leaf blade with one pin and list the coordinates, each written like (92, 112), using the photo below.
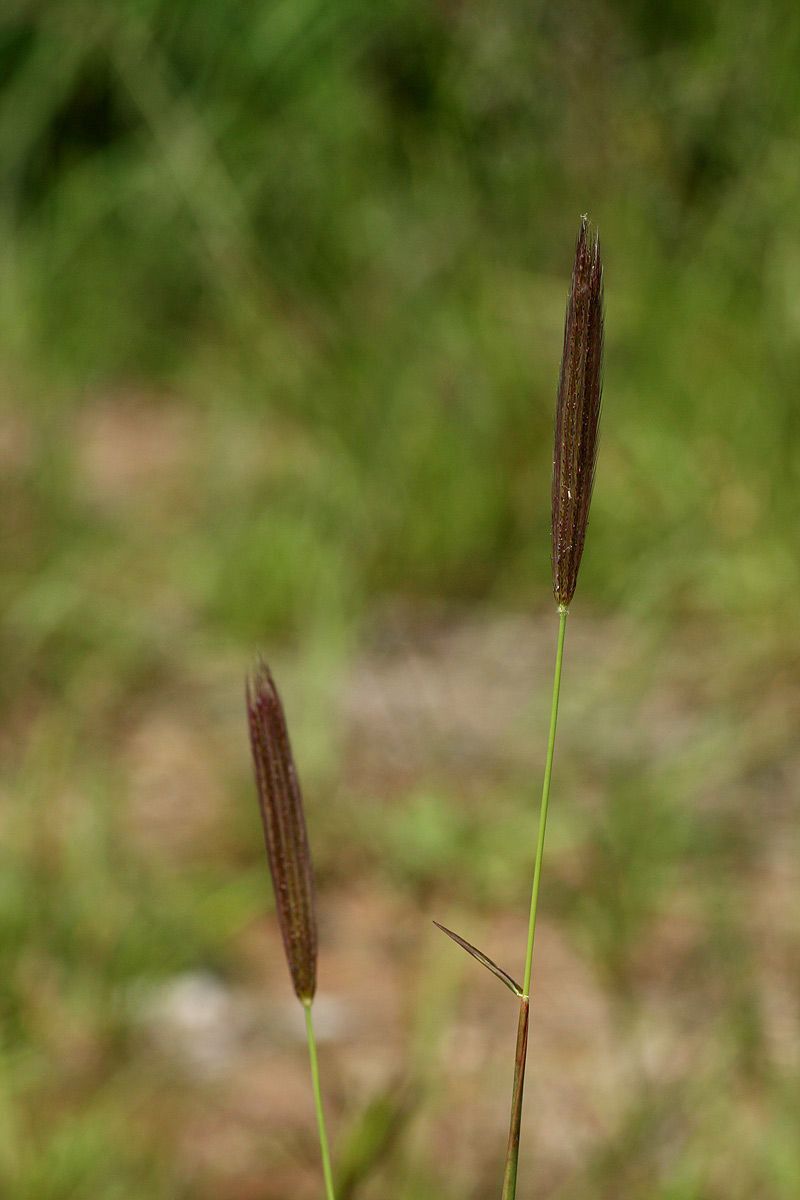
(482, 958)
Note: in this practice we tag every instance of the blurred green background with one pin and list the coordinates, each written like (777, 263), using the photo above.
(281, 302)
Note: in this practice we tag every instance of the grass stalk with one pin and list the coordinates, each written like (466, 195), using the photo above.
(512, 1153)
(580, 391)
(545, 803)
(327, 1170)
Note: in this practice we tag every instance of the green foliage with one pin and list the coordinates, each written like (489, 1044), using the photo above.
(357, 223)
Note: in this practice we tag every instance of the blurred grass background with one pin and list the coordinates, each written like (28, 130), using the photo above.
(281, 303)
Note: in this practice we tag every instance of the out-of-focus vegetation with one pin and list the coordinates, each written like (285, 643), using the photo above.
(281, 300)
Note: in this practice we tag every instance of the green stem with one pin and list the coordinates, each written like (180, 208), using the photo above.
(548, 772)
(512, 1154)
(323, 1136)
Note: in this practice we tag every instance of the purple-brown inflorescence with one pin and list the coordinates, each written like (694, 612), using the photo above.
(284, 830)
(577, 414)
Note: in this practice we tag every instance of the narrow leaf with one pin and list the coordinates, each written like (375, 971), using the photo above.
(482, 958)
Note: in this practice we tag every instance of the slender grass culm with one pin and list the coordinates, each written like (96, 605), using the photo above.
(574, 456)
(289, 857)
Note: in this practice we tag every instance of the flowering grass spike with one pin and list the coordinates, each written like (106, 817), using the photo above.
(285, 834)
(577, 414)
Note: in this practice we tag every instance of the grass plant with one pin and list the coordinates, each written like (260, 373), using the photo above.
(574, 458)
(289, 857)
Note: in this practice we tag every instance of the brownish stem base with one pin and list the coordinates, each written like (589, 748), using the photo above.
(512, 1154)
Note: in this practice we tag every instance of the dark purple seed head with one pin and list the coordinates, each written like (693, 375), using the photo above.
(577, 414)
(284, 830)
